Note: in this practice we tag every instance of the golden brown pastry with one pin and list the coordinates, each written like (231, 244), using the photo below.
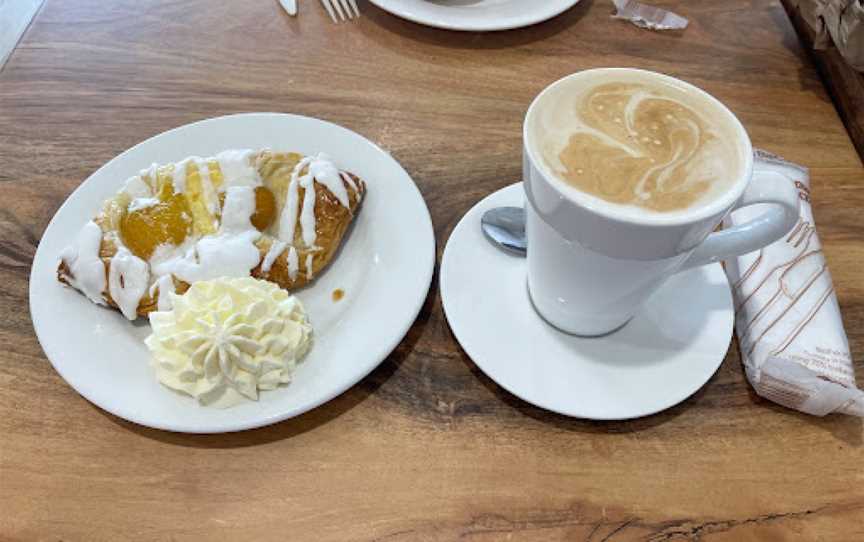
(277, 216)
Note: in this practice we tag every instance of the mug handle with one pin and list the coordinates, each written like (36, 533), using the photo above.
(765, 187)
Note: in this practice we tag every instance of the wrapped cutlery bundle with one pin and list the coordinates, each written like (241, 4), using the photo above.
(790, 332)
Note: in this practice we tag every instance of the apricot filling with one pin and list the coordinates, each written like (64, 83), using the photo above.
(265, 208)
(165, 222)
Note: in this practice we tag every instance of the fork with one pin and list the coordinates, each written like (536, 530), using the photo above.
(341, 7)
(290, 6)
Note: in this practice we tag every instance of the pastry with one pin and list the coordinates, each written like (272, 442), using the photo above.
(272, 215)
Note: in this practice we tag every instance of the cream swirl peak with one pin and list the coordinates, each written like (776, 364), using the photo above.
(228, 338)
(638, 144)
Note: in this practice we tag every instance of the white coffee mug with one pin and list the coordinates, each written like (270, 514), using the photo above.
(592, 264)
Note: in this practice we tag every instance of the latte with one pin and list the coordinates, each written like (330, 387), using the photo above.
(641, 144)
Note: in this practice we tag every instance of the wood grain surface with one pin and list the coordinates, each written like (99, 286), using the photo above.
(426, 447)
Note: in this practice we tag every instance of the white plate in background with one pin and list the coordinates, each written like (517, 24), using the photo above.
(476, 15)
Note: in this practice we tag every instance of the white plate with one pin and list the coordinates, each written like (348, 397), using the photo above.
(385, 267)
(476, 15)
(661, 357)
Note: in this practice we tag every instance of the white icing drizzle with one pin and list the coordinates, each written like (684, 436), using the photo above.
(86, 270)
(127, 281)
(309, 266)
(293, 263)
(164, 285)
(237, 169)
(220, 256)
(151, 173)
(307, 214)
(238, 210)
(167, 251)
(322, 170)
(288, 220)
(142, 203)
(178, 176)
(348, 179)
(136, 188)
(276, 249)
(231, 252)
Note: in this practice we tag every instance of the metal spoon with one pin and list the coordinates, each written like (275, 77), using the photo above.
(505, 228)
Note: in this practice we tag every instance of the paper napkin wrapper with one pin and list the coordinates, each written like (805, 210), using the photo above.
(790, 332)
(840, 21)
(650, 17)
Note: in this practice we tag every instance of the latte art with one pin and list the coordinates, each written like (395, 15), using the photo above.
(637, 144)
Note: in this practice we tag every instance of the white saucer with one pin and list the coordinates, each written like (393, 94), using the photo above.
(476, 15)
(384, 267)
(666, 353)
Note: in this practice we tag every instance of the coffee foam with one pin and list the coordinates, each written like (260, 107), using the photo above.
(605, 127)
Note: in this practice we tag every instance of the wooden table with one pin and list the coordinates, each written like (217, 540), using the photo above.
(427, 447)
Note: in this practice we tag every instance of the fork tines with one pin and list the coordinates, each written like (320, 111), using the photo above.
(346, 9)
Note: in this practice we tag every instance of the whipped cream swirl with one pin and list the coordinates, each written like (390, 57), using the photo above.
(228, 338)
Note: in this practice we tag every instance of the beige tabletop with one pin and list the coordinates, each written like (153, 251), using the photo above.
(426, 447)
